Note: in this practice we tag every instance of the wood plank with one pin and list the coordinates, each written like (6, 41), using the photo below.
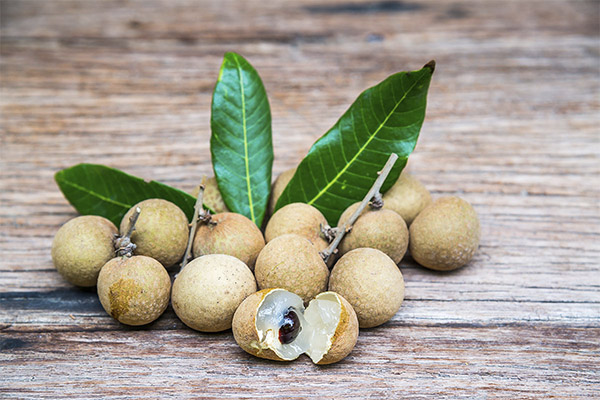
(512, 127)
(505, 362)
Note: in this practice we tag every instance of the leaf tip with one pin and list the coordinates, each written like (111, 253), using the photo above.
(232, 56)
(430, 65)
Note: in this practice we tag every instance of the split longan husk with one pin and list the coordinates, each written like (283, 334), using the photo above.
(300, 219)
(274, 324)
(209, 289)
(371, 282)
(161, 231)
(381, 229)
(134, 290)
(81, 247)
(408, 197)
(445, 235)
(292, 262)
(229, 233)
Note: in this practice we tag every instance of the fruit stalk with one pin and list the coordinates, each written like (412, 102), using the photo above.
(123, 244)
(341, 231)
(198, 211)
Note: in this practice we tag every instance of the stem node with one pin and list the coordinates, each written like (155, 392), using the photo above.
(372, 196)
(123, 245)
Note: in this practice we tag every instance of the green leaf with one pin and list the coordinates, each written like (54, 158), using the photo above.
(342, 165)
(99, 190)
(241, 144)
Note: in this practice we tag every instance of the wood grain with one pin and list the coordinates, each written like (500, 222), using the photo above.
(512, 126)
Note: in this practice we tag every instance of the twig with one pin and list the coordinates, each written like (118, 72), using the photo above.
(328, 232)
(198, 211)
(372, 192)
(376, 202)
(123, 244)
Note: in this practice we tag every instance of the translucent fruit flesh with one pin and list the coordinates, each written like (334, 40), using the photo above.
(286, 327)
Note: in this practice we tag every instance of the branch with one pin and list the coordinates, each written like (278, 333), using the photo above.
(198, 212)
(372, 193)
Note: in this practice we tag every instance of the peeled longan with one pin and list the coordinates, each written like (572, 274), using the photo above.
(134, 290)
(274, 324)
(81, 247)
(445, 235)
(382, 229)
(232, 234)
(371, 282)
(161, 231)
(209, 289)
(291, 262)
(300, 219)
(408, 197)
(278, 187)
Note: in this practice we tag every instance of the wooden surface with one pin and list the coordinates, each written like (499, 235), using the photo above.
(512, 126)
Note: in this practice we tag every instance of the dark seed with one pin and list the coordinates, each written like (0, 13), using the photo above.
(290, 328)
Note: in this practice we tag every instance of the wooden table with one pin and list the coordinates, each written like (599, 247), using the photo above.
(512, 126)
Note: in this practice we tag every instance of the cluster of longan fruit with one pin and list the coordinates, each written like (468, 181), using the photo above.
(236, 268)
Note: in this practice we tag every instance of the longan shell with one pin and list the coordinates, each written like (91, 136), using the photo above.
(382, 229)
(278, 187)
(244, 327)
(209, 289)
(232, 234)
(246, 335)
(408, 197)
(134, 291)
(345, 336)
(300, 219)
(372, 284)
(81, 247)
(445, 235)
(161, 231)
(212, 196)
(291, 262)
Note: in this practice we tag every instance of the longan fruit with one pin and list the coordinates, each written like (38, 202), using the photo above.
(408, 197)
(445, 235)
(81, 247)
(161, 231)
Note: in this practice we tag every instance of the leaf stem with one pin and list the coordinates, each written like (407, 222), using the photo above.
(198, 210)
(341, 231)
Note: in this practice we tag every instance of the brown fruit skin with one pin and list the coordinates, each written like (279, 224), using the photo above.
(382, 229)
(161, 231)
(209, 289)
(212, 196)
(408, 197)
(135, 291)
(291, 262)
(278, 186)
(345, 336)
(371, 282)
(232, 234)
(445, 235)
(301, 219)
(81, 247)
(244, 327)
